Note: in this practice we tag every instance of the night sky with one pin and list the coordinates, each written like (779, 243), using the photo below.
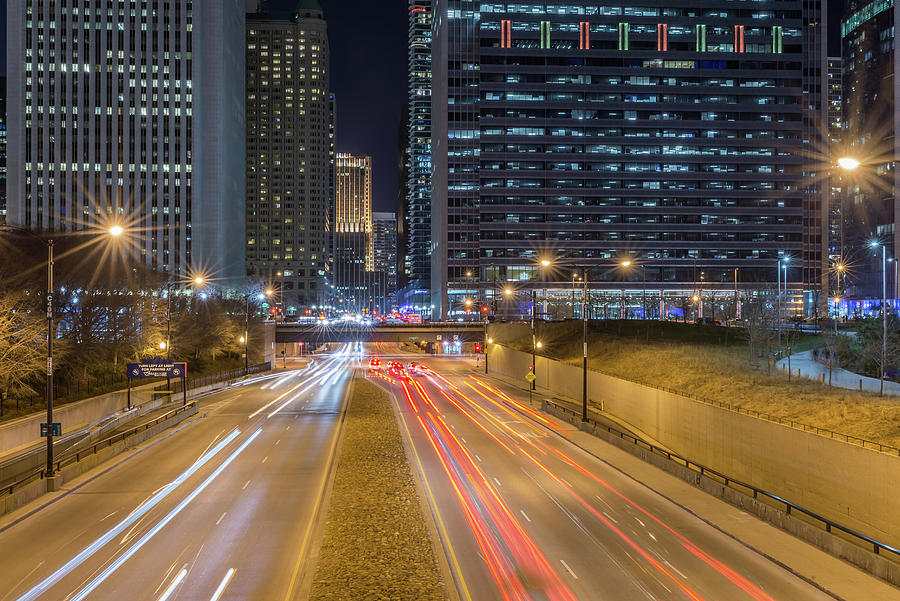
(368, 75)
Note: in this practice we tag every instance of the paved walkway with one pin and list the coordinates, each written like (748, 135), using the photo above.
(807, 367)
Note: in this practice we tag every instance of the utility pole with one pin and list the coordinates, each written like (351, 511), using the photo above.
(533, 339)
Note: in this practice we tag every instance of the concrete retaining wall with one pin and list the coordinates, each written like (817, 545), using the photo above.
(831, 543)
(848, 484)
(72, 416)
(32, 491)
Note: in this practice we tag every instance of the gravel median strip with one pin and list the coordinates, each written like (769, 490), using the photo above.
(375, 545)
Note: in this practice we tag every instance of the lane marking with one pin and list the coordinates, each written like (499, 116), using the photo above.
(611, 518)
(218, 521)
(266, 458)
(676, 570)
(246, 484)
(277, 441)
(288, 428)
(478, 458)
(135, 515)
(174, 584)
(463, 439)
(524, 515)
(640, 522)
(115, 565)
(446, 537)
(222, 585)
(569, 484)
(498, 482)
(568, 569)
(651, 536)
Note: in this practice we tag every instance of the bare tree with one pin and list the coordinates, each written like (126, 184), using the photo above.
(761, 327)
(22, 339)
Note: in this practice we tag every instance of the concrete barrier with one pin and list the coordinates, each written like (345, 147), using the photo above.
(29, 492)
(845, 483)
(72, 416)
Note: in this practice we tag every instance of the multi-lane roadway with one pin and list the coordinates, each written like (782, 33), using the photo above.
(221, 508)
(524, 514)
(225, 506)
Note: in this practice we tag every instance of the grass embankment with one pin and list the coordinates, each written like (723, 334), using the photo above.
(702, 363)
(376, 545)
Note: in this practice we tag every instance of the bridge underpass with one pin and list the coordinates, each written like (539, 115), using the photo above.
(287, 333)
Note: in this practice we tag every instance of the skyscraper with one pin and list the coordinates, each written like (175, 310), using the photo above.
(418, 210)
(674, 137)
(289, 140)
(384, 235)
(134, 116)
(869, 112)
(354, 253)
(836, 194)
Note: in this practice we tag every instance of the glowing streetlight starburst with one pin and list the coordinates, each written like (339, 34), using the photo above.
(848, 163)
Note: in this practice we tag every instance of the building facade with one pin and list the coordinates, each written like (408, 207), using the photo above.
(870, 107)
(131, 116)
(836, 194)
(675, 137)
(418, 188)
(2, 150)
(289, 144)
(384, 235)
(354, 256)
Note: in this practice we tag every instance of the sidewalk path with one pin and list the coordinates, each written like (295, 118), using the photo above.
(840, 378)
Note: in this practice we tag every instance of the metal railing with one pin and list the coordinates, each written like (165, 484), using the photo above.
(775, 501)
(177, 386)
(70, 458)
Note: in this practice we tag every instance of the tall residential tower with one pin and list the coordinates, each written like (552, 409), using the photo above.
(134, 115)
(289, 140)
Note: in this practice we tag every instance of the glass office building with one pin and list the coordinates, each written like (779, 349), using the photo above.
(671, 136)
(418, 184)
(869, 110)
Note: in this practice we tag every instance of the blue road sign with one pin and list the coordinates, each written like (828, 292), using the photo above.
(57, 430)
(157, 368)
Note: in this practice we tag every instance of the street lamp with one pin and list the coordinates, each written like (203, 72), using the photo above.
(848, 163)
(115, 231)
(876, 244)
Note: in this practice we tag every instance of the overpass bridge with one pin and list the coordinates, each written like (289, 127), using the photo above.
(286, 333)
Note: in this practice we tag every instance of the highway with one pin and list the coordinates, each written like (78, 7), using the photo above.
(524, 514)
(221, 508)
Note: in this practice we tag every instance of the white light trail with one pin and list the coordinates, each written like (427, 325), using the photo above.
(222, 585)
(142, 509)
(115, 565)
(168, 592)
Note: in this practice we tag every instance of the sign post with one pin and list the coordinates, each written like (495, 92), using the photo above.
(531, 378)
(157, 368)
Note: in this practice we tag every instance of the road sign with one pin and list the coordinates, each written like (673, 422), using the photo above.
(413, 338)
(530, 376)
(439, 337)
(57, 430)
(157, 368)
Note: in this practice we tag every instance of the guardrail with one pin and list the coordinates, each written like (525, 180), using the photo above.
(789, 508)
(68, 459)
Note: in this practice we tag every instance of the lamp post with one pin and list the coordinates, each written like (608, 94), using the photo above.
(533, 339)
(114, 231)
